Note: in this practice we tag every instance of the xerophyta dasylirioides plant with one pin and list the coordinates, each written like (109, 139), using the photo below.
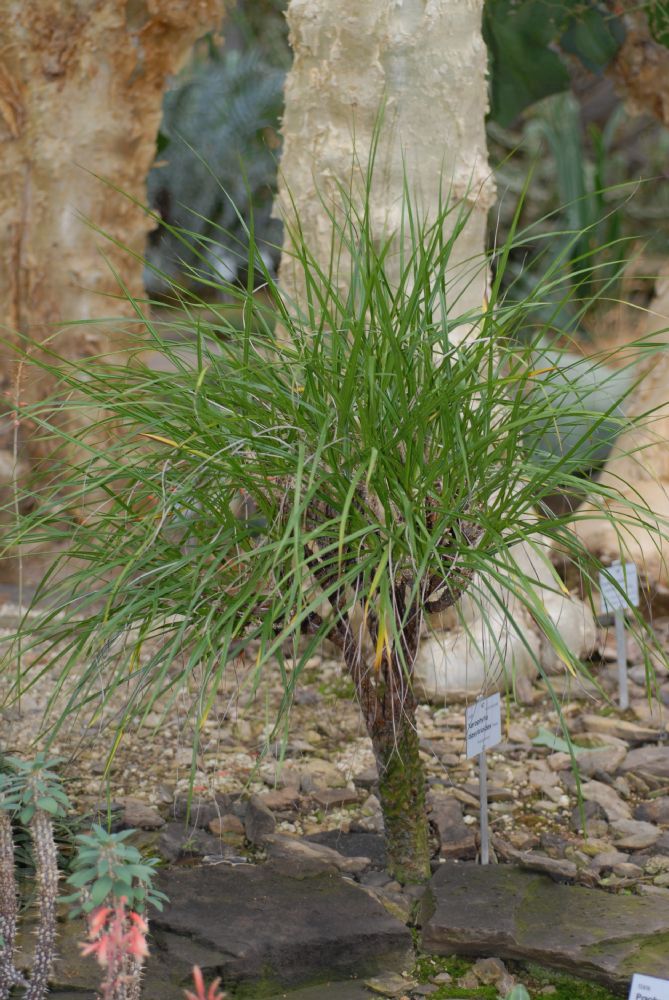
(342, 470)
(31, 792)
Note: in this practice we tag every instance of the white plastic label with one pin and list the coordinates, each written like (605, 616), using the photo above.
(627, 579)
(484, 725)
(649, 988)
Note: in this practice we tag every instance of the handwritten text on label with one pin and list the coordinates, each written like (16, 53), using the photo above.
(628, 581)
(484, 725)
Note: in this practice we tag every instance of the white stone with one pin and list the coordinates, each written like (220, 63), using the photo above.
(474, 646)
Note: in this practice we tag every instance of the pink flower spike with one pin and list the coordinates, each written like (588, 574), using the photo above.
(139, 922)
(198, 979)
(136, 943)
(115, 938)
(211, 994)
(97, 920)
(97, 948)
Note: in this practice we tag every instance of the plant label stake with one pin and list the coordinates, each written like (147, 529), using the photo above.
(649, 988)
(619, 587)
(483, 721)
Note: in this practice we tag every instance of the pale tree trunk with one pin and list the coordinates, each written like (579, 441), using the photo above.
(638, 469)
(425, 62)
(639, 465)
(81, 88)
(640, 70)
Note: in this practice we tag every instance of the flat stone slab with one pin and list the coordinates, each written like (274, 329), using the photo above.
(351, 845)
(263, 931)
(508, 912)
(346, 990)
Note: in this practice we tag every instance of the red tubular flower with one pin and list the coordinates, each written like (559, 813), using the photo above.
(212, 993)
(117, 937)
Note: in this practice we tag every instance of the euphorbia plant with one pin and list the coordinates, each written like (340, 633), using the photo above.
(342, 471)
(112, 882)
(30, 792)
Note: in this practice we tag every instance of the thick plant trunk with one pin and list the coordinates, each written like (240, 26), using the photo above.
(638, 469)
(81, 88)
(639, 466)
(402, 796)
(388, 704)
(424, 64)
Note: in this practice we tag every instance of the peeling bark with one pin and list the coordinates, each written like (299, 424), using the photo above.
(640, 70)
(81, 88)
(423, 62)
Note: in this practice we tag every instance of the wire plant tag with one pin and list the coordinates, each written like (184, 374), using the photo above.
(619, 587)
(483, 724)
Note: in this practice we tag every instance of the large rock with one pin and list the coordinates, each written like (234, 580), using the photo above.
(606, 760)
(347, 990)
(353, 845)
(456, 839)
(259, 821)
(607, 798)
(653, 760)
(609, 725)
(654, 811)
(260, 929)
(514, 914)
(301, 858)
(178, 842)
(489, 638)
(634, 834)
(200, 811)
(139, 815)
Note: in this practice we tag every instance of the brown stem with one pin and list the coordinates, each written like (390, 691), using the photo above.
(46, 864)
(8, 906)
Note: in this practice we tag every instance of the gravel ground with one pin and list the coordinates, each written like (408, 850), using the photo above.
(534, 808)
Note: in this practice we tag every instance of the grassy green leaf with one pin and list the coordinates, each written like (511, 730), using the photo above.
(544, 738)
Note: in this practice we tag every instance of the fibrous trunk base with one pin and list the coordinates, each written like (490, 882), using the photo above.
(402, 795)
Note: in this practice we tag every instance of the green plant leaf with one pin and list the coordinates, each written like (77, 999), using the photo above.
(658, 20)
(523, 68)
(100, 890)
(82, 877)
(544, 738)
(594, 35)
(518, 993)
(50, 805)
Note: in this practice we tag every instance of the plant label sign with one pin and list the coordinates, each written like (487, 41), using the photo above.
(627, 579)
(484, 725)
(616, 599)
(649, 988)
